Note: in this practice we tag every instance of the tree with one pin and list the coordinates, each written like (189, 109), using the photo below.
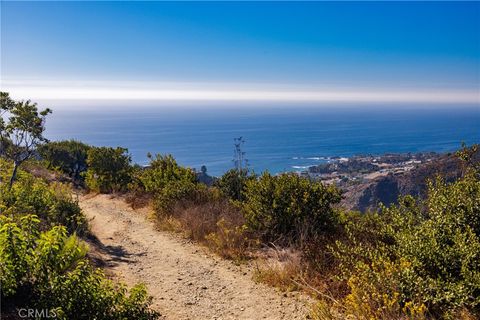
(22, 132)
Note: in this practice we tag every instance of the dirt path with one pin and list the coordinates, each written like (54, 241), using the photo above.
(185, 280)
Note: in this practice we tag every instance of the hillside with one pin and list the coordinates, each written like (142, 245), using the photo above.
(386, 189)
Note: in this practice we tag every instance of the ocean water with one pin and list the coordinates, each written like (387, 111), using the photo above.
(276, 139)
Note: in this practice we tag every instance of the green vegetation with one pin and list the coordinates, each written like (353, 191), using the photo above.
(69, 156)
(233, 183)
(52, 204)
(289, 207)
(109, 169)
(43, 263)
(48, 270)
(419, 259)
(22, 132)
(168, 182)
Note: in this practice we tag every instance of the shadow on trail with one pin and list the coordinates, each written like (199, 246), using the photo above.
(115, 253)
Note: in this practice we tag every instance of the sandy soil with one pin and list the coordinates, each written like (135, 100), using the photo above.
(186, 281)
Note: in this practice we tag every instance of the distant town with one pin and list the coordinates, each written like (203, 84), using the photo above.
(345, 172)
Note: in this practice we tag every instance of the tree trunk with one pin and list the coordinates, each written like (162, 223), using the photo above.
(14, 174)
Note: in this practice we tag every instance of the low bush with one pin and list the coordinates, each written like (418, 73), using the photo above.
(109, 169)
(287, 207)
(281, 268)
(419, 260)
(233, 183)
(53, 204)
(68, 156)
(231, 240)
(166, 182)
(206, 216)
(48, 270)
(200, 214)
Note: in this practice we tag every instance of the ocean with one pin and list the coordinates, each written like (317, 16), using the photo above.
(276, 139)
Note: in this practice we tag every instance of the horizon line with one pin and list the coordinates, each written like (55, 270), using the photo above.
(192, 92)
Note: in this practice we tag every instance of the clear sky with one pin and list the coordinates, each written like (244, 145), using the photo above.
(316, 51)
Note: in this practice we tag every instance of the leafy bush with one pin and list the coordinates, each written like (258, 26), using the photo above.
(69, 156)
(49, 270)
(230, 239)
(233, 183)
(420, 259)
(288, 206)
(109, 169)
(168, 183)
(54, 204)
(162, 170)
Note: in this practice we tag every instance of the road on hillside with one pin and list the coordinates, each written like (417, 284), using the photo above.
(185, 280)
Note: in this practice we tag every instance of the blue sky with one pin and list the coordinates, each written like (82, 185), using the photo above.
(177, 49)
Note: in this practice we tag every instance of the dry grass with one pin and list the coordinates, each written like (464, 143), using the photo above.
(216, 223)
(281, 268)
(138, 200)
(231, 241)
(170, 224)
(200, 220)
(39, 170)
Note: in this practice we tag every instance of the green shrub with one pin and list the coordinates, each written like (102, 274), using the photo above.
(162, 170)
(288, 206)
(109, 169)
(421, 257)
(444, 248)
(53, 204)
(68, 156)
(168, 183)
(49, 270)
(233, 183)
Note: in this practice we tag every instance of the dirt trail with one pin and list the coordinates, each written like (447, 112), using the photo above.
(186, 281)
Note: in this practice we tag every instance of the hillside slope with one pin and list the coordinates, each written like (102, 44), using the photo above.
(387, 189)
